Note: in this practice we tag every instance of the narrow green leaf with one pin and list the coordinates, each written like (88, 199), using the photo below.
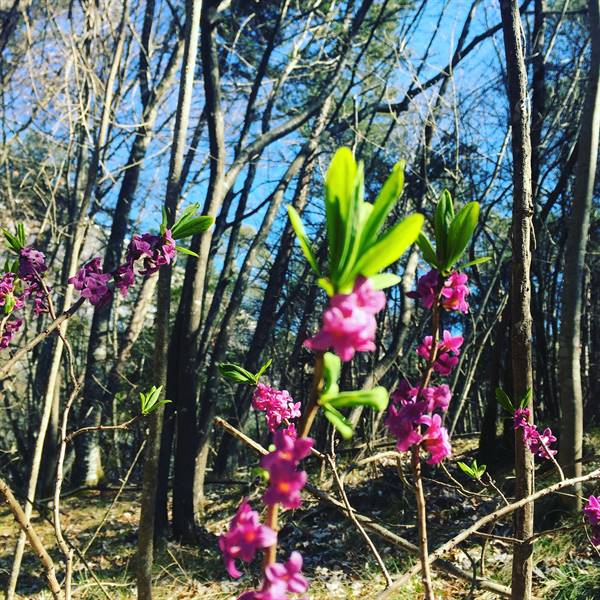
(187, 251)
(337, 419)
(381, 281)
(339, 192)
(466, 469)
(444, 213)
(353, 225)
(263, 369)
(191, 227)
(427, 249)
(236, 373)
(376, 398)
(332, 366)
(504, 400)
(476, 261)
(390, 247)
(387, 198)
(526, 399)
(325, 283)
(460, 233)
(303, 238)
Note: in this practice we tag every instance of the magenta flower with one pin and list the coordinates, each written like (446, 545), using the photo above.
(285, 484)
(534, 441)
(92, 282)
(162, 252)
(427, 288)
(124, 277)
(277, 404)
(592, 510)
(31, 263)
(437, 397)
(521, 418)
(436, 440)
(349, 324)
(288, 575)
(288, 449)
(424, 348)
(11, 326)
(7, 292)
(451, 343)
(454, 292)
(592, 513)
(244, 537)
(405, 415)
(444, 364)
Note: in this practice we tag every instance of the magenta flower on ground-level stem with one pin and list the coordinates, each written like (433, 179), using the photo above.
(437, 397)
(451, 343)
(521, 418)
(436, 440)
(444, 364)
(592, 513)
(277, 404)
(124, 278)
(288, 575)
(92, 282)
(455, 291)
(538, 443)
(349, 324)
(245, 536)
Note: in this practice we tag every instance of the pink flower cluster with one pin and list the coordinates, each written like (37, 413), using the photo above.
(278, 405)
(281, 579)
(16, 289)
(349, 323)
(452, 292)
(410, 410)
(592, 514)
(246, 535)
(538, 443)
(447, 352)
(285, 481)
(154, 250)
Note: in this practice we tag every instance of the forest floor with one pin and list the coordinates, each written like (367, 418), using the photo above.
(337, 560)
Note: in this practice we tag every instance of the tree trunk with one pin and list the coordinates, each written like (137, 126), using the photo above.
(571, 395)
(520, 284)
(145, 557)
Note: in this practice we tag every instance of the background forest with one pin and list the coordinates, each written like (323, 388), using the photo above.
(111, 110)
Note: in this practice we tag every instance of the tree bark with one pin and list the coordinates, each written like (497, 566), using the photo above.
(145, 557)
(520, 285)
(571, 394)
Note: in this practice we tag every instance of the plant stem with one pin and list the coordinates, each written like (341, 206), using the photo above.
(309, 414)
(272, 522)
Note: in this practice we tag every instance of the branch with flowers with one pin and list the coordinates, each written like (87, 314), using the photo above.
(23, 282)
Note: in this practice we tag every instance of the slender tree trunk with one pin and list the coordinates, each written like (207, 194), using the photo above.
(145, 556)
(520, 285)
(571, 394)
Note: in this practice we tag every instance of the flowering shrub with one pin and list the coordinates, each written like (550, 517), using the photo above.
(538, 443)
(592, 514)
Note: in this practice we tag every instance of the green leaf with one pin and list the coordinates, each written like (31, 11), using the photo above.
(151, 401)
(444, 214)
(332, 366)
(187, 251)
(13, 241)
(325, 283)
(466, 469)
(191, 227)
(303, 238)
(339, 192)
(263, 369)
(236, 373)
(526, 399)
(504, 400)
(376, 398)
(381, 281)
(460, 233)
(357, 214)
(387, 198)
(9, 303)
(476, 261)
(427, 250)
(337, 419)
(390, 247)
